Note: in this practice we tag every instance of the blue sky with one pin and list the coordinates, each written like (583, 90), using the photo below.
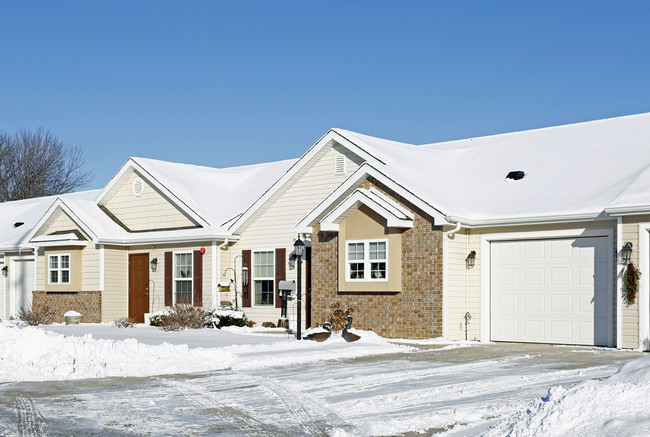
(232, 83)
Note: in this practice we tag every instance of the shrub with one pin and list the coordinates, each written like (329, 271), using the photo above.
(38, 315)
(124, 323)
(184, 317)
(269, 325)
(225, 320)
(338, 315)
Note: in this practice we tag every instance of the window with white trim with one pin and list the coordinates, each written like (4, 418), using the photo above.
(264, 277)
(58, 269)
(367, 260)
(183, 278)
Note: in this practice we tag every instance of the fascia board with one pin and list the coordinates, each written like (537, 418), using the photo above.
(533, 220)
(57, 243)
(628, 210)
(364, 171)
(324, 141)
(382, 207)
(132, 164)
(165, 240)
(58, 203)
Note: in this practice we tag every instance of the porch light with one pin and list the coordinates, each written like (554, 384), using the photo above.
(5, 269)
(244, 276)
(154, 264)
(626, 253)
(292, 261)
(470, 260)
(299, 247)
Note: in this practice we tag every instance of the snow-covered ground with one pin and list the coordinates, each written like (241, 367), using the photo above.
(239, 381)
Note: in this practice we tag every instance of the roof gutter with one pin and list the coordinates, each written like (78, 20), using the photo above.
(163, 240)
(533, 220)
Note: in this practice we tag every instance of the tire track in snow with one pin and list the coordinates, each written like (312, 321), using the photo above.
(296, 409)
(30, 420)
(241, 420)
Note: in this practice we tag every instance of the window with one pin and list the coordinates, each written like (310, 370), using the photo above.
(183, 278)
(263, 277)
(59, 269)
(367, 260)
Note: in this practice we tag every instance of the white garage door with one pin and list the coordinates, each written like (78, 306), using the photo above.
(23, 284)
(551, 291)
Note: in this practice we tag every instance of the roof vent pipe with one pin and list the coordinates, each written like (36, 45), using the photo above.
(516, 175)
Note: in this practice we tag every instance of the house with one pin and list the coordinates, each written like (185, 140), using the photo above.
(512, 237)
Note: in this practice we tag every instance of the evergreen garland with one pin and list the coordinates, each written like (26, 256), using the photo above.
(631, 283)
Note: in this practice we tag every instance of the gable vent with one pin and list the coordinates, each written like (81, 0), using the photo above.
(515, 175)
(138, 187)
(339, 164)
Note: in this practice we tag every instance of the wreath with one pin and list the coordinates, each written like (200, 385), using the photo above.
(631, 283)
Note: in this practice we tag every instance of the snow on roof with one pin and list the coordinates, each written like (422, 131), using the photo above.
(28, 212)
(577, 169)
(216, 194)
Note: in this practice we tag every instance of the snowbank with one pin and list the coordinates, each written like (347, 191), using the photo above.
(38, 354)
(618, 405)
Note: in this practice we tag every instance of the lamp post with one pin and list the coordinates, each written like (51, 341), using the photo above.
(299, 248)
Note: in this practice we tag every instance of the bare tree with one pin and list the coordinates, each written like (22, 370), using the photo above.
(37, 163)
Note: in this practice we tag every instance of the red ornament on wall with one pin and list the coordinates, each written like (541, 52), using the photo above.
(202, 250)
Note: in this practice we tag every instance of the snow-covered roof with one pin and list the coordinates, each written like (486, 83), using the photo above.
(576, 170)
(28, 212)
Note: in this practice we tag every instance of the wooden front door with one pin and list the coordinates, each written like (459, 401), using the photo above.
(138, 286)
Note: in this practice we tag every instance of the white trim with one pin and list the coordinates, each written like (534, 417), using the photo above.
(3, 292)
(366, 260)
(131, 164)
(618, 272)
(252, 279)
(191, 278)
(532, 220)
(346, 188)
(59, 269)
(486, 239)
(102, 266)
(644, 292)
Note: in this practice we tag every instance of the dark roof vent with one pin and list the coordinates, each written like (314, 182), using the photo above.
(516, 175)
(18, 224)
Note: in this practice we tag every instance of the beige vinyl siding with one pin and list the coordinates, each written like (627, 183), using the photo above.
(274, 227)
(631, 312)
(90, 266)
(149, 211)
(463, 287)
(462, 298)
(59, 221)
(115, 297)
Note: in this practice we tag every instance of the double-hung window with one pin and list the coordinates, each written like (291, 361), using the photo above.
(183, 278)
(367, 260)
(263, 277)
(59, 269)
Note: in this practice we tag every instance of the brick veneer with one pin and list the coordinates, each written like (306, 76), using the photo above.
(415, 311)
(87, 303)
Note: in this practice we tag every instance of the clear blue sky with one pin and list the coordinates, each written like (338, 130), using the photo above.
(240, 82)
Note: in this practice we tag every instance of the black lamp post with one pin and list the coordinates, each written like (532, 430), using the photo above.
(299, 248)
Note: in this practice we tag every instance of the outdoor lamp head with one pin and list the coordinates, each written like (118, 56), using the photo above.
(626, 252)
(299, 247)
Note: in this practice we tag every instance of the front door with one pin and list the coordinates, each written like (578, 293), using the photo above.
(138, 286)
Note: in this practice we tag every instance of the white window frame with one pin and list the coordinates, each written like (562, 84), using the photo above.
(185, 279)
(58, 269)
(255, 278)
(366, 260)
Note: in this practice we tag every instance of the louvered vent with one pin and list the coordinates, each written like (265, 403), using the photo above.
(339, 164)
(138, 187)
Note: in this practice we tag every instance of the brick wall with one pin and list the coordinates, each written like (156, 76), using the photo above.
(87, 303)
(414, 312)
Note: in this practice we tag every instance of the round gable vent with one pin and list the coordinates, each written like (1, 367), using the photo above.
(138, 187)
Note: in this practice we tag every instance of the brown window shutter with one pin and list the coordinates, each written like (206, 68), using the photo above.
(280, 273)
(169, 279)
(197, 278)
(246, 289)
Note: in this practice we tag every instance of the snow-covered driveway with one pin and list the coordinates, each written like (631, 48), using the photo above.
(460, 388)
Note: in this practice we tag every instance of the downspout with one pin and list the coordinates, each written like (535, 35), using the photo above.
(216, 269)
(445, 262)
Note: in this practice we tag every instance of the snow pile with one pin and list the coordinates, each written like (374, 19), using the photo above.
(38, 354)
(32, 354)
(618, 405)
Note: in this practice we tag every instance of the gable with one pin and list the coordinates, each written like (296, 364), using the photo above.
(59, 223)
(137, 206)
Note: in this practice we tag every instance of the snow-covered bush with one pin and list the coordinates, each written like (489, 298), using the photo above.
(338, 315)
(37, 315)
(124, 323)
(184, 317)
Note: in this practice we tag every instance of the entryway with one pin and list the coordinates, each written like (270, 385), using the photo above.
(138, 286)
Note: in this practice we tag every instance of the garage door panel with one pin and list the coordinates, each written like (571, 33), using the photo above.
(551, 291)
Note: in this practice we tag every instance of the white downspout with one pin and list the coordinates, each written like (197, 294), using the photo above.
(216, 269)
(445, 262)
(618, 271)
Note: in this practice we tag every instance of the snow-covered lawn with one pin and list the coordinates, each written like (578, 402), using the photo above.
(239, 381)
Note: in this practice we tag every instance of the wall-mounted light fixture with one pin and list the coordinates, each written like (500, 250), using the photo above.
(5, 270)
(292, 261)
(470, 260)
(626, 253)
(154, 264)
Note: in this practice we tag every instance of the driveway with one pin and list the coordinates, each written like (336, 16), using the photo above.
(453, 389)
